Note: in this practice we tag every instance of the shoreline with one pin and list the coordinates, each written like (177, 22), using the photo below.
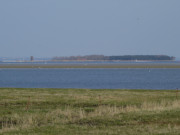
(121, 65)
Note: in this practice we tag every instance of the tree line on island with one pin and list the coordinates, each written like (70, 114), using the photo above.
(120, 57)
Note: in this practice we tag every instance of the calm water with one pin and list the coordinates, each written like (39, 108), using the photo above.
(91, 78)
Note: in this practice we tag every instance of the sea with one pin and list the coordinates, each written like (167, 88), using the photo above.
(91, 78)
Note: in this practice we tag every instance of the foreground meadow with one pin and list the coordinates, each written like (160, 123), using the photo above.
(84, 111)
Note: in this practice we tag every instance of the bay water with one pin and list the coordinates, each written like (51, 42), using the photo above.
(91, 78)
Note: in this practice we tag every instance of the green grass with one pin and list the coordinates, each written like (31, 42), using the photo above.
(85, 111)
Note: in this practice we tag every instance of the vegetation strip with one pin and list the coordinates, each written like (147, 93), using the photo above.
(86, 111)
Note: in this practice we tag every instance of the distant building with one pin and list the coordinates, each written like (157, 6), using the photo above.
(32, 58)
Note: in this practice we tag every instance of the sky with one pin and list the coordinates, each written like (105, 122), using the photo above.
(48, 28)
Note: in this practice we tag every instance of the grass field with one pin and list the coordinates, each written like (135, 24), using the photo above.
(84, 111)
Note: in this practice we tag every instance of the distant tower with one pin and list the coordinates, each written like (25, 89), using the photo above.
(32, 58)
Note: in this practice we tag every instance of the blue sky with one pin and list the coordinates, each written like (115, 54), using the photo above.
(47, 28)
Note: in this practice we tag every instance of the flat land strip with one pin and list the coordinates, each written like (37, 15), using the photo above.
(85, 111)
(122, 65)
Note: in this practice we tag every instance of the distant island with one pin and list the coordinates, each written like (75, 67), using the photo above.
(117, 58)
(91, 58)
